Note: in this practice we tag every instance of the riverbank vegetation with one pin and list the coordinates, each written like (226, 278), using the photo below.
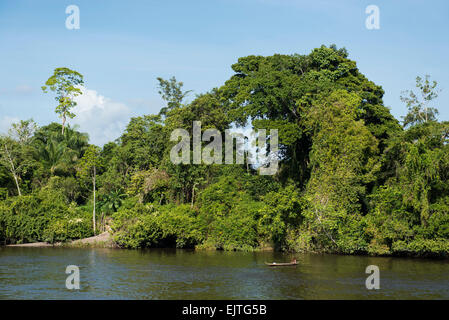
(352, 179)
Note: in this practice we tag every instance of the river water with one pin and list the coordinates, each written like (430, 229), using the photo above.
(39, 273)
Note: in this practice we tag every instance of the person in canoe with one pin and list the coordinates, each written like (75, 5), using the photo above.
(293, 262)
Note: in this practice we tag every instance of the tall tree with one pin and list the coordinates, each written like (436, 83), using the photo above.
(89, 164)
(419, 110)
(65, 83)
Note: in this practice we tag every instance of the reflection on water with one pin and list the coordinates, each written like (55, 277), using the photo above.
(39, 273)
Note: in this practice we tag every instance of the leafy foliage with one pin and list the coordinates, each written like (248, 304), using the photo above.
(351, 179)
(65, 83)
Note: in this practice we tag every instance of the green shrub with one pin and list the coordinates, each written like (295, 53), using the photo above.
(422, 248)
(162, 226)
(41, 216)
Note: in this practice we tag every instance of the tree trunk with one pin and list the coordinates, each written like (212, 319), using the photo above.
(93, 215)
(193, 194)
(63, 123)
(17, 185)
(425, 110)
(162, 197)
(102, 222)
(13, 169)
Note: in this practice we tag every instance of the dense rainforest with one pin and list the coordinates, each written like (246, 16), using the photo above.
(352, 179)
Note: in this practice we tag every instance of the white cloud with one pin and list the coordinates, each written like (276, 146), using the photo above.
(6, 122)
(103, 119)
(17, 90)
(23, 89)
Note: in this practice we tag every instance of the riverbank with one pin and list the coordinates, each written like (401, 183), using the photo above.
(103, 240)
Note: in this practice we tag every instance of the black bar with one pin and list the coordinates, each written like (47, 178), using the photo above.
(222, 309)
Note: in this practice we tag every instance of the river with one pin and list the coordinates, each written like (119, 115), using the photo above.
(39, 273)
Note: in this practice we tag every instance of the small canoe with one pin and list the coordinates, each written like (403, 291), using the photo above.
(278, 264)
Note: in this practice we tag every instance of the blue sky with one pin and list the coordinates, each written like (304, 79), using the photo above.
(122, 46)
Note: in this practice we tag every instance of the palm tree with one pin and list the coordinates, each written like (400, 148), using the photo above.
(57, 150)
(53, 153)
(75, 140)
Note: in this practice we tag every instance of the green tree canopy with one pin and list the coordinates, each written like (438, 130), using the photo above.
(65, 83)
